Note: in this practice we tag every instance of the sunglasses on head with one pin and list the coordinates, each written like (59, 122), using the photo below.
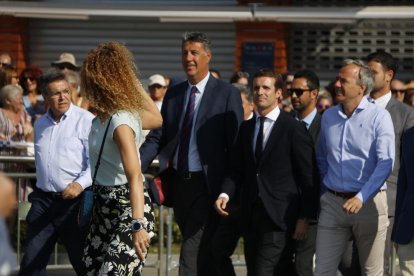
(297, 91)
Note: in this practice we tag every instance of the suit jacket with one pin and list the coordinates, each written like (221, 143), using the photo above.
(402, 116)
(219, 116)
(403, 231)
(315, 128)
(285, 176)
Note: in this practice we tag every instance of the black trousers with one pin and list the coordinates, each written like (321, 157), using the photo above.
(225, 241)
(50, 218)
(197, 220)
(264, 243)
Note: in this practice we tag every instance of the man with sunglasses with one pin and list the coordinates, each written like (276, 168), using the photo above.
(304, 93)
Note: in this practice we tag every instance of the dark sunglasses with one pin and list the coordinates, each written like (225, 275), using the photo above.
(394, 91)
(297, 91)
(28, 78)
(4, 64)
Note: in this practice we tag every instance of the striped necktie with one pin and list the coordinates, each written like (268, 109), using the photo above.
(185, 135)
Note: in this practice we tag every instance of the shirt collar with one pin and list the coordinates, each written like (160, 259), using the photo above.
(383, 100)
(309, 119)
(363, 104)
(272, 115)
(65, 115)
(201, 86)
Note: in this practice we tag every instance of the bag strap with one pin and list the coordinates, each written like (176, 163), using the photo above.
(98, 162)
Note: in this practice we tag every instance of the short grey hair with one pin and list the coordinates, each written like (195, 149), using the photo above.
(365, 75)
(10, 92)
(244, 90)
(197, 37)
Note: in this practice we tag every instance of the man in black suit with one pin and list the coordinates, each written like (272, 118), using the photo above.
(403, 232)
(201, 118)
(274, 164)
(304, 94)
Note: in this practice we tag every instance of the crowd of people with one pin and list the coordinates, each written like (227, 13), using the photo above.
(295, 169)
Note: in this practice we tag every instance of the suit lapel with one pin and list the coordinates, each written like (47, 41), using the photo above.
(205, 103)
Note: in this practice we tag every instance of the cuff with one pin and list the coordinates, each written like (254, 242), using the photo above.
(224, 195)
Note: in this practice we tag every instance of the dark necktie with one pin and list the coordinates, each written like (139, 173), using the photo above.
(182, 162)
(259, 141)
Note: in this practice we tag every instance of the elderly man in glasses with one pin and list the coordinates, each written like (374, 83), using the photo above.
(62, 173)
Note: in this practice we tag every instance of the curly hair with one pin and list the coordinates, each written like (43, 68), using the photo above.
(33, 72)
(109, 80)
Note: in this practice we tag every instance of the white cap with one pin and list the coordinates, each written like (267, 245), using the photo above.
(156, 79)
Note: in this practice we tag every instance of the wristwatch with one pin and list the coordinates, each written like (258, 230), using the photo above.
(137, 225)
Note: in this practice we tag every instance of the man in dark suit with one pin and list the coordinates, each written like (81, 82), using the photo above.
(384, 67)
(403, 232)
(274, 164)
(304, 94)
(201, 118)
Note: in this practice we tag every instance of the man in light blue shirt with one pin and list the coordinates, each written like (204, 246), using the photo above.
(62, 170)
(355, 156)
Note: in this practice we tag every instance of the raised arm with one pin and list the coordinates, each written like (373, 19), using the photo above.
(150, 115)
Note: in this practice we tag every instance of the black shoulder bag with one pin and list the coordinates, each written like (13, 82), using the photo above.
(88, 196)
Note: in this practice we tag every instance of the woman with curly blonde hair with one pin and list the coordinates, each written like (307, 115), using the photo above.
(123, 219)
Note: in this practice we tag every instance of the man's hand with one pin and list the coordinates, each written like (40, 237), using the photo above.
(352, 205)
(72, 191)
(220, 205)
(301, 230)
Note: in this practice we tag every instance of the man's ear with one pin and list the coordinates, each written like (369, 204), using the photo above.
(389, 75)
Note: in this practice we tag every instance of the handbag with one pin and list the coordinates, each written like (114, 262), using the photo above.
(160, 188)
(88, 195)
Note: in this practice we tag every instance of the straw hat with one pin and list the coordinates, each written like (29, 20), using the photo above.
(68, 60)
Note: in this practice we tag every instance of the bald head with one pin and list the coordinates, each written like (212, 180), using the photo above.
(8, 200)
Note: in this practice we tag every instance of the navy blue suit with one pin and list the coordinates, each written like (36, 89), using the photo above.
(219, 115)
(403, 231)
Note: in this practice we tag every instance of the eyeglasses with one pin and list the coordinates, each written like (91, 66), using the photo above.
(297, 91)
(25, 78)
(59, 94)
(4, 64)
(15, 77)
(394, 91)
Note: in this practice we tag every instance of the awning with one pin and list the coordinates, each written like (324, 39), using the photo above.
(255, 12)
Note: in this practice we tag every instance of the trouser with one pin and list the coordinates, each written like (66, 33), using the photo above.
(406, 257)
(335, 228)
(51, 217)
(225, 242)
(197, 220)
(264, 243)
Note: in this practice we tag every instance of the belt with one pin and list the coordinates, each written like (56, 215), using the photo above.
(346, 195)
(54, 195)
(191, 175)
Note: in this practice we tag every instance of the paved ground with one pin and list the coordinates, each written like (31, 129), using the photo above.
(150, 270)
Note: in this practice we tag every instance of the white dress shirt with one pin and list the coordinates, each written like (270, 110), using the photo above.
(61, 150)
